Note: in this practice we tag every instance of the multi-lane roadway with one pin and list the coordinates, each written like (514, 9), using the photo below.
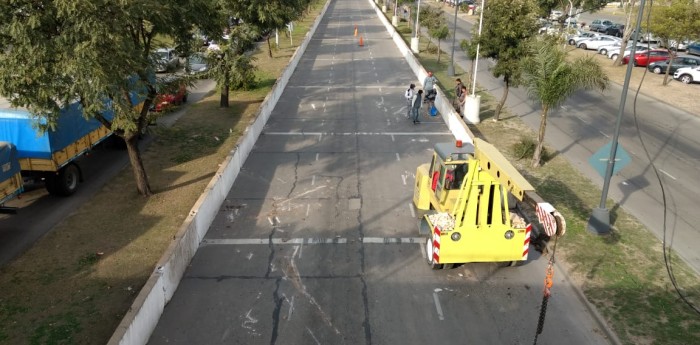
(317, 241)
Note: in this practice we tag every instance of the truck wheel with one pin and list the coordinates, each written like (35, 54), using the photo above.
(65, 182)
(429, 254)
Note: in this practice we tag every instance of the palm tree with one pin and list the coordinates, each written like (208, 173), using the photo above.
(550, 79)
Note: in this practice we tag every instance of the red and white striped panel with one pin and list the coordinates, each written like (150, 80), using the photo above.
(436, 245)
(526, 243)
(544, 215)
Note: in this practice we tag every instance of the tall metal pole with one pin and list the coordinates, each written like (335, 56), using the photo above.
(451, 67)
(476, 59)
(599, 222)
(417, 16)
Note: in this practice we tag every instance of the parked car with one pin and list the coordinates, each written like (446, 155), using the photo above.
(676, 63)
(604, 49)
(674, 45)
(614, 53)
(596, 42)
(616, 30)
(197, 63)
(687, 75)
(554, 15)
(167, 59)
(600, 25)
(170, 92)
(645, 58)
(693, 48)
(580, 36)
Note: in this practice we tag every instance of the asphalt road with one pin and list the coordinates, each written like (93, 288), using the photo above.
(586, 122)
(317, 241)
(39, 212)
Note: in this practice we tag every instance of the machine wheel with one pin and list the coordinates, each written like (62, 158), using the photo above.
(583, 46)
(429, 254)
(613, 57)
(572, 42)
(657, 70)
(65, 182)
(686, 79)
(604, 51)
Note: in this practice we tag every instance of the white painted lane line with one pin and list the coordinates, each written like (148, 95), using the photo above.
(392, 138)
(437, 304)
(605, 135)
(667, 174)
(311, 241)
(308, 208)
(270, 220)
(313, 180)
(413, 211)
(582, 120)
(422, 250)
(317, 156)
(313, 336)
(277, 219)
(291, 308)
(398, 158)
(313, 106)
(403, 178)
(359, 133)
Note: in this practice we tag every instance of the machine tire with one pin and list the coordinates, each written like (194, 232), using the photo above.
(429, 254)
(657, 70)
(583, 46)
(613, 57)
(65, 182)
(686, 78)
(604, 51)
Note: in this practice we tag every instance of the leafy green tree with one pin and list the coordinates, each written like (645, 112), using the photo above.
(673, 22)
(266, 15)
(439, 33)
(233, 64)
(550, 79)
(432, 18)
(507, 28)
(93, 52)
(546, 7)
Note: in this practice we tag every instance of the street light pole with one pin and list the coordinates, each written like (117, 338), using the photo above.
(416, 36)
(451, 67)
(599, 222)
(476, 59)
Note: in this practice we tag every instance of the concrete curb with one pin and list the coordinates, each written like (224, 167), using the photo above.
(143, 315)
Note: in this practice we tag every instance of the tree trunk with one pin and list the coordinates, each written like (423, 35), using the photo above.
(668, 71)
(439, 51)
(140, 175)
(499, 107)
(269, 47)
(537, 156)
(223, 101)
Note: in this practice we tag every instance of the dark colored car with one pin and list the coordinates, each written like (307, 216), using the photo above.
(616, 30)
(647, 57)
(694, 48)
(600, 25)
(676, 63)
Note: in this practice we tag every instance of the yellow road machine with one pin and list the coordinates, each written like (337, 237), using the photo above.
(474, 192)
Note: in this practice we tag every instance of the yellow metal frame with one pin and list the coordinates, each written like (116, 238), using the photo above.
(10, 187)
(64, 156)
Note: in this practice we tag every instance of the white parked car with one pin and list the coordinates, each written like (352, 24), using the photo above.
(687, 75)
(604, 49)
(597, 42)
(582, 35)
(614, 53)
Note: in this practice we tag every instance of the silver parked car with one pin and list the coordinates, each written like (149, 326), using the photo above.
(166, 59)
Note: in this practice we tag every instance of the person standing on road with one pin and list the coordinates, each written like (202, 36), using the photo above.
(462, 100)
(409, 99)
(458, 93)
(429, 85)
(417, 104)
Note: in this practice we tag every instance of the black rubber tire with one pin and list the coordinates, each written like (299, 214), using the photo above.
(614, 57)
(686, 78)
(65, 182)
(572, 42)
(583, 46)
(604, 51)
(184, 98)
(657, 70)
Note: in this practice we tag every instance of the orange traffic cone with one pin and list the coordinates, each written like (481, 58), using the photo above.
(362, 44)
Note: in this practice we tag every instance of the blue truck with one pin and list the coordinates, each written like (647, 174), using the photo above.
(27, 153)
